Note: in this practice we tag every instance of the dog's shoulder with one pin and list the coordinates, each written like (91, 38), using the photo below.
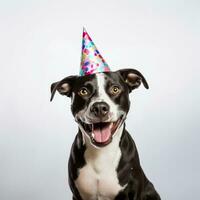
(76, 159)
(129, 162)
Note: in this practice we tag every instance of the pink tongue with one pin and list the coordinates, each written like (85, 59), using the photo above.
(102, 135)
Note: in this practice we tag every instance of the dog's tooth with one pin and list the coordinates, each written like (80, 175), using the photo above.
(111, 124)
(92, 135)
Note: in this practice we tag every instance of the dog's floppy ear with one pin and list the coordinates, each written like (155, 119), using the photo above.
(64, 87)
(133, 78)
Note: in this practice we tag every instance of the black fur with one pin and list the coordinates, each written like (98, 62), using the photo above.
(129, 171)
(76, 161)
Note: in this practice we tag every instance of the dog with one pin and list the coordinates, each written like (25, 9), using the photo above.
(104, 162)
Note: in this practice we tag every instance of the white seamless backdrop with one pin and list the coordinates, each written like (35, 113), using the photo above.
(40, 42)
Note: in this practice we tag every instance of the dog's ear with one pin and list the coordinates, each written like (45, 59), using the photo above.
(64, 87)
(133, 78)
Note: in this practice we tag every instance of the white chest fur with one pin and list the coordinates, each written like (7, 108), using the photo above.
(98, 180)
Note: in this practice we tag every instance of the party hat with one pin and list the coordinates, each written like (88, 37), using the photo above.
(91, 60)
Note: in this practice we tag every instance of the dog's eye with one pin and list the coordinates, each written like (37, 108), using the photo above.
(83, 92)
(114, 90)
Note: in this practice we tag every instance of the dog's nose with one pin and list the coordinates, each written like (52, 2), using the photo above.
(100, 109)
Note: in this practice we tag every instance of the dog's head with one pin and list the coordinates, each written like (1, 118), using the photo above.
(100, 102)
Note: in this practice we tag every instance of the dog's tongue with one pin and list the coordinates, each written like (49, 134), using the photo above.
(102, 133)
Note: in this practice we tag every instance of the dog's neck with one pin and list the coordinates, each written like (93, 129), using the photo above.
(113, 145)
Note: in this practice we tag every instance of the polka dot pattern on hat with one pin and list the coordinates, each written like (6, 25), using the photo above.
(91, 60)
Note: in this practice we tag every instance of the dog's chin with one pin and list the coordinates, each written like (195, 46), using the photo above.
(101, 133)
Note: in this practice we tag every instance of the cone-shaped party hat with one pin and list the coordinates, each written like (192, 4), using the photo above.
(91, 60)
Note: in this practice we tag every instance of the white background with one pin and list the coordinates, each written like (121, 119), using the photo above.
(40, 42)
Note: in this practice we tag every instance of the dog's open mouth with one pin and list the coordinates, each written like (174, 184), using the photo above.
(101, 133)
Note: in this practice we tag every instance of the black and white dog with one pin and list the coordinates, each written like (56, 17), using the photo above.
(104, 162)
